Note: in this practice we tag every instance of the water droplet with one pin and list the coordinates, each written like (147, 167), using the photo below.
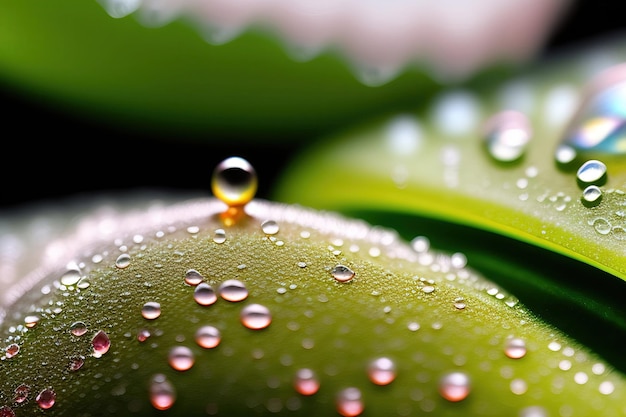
(592, 196)
(143, 335)
(21, 393)
(306, 382)
(342, 273)
(256, 316)
(598, 127)
(592, 172)
(533, 411)
(12, 350)
(270, 227)
(601, 226)
(515, 348)
(151, 310)
(193, 277)
(606, 388)
(507, 135)
(234, 181)
(76, 362)
(204, 294)
(46, 398)
(122, 261)
(78, 328)
(31, 321)
(459, 303)
(233, 290)
(382, 371)
(6, 411)
(181, 358)
(162, 392)
(220, 236)
(208, 337)
(100, 343)
(350, 402)
(565, 157)
(454, 386)
(71, 277)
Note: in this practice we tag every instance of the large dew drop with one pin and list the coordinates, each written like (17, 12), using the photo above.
(454, 386)
(162, 392)
(256, 316)
(592, 172)
(234, 181)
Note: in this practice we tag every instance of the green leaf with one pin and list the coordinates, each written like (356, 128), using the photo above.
(425, 311)
(523, 222)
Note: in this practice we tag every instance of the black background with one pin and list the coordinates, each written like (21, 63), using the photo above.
(48, 155)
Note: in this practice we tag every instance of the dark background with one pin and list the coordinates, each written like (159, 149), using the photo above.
(48, 155)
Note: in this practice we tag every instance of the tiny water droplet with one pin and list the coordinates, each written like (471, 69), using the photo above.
(71, 277)
(592, 196)
(143, 335)
(78, 328)
(234, 181)
(208, 337)
(350, 402)
(46, 398)
(151, 310)
(6, 411)
(342, 273)
(454, 386)
(122, 261)
(193, 277)
(233, 290)
(507, 135)
(21, 393)
(162, 392)
(31, 321)
(459, 303)
(306, 382)
(76, 362)
(12, 350)
(256, 316)
(515, 348)
(270, 227)
(100, 343)
(382, 371)
(204, 294)
(181, 358)
(219, 236)
(592, 172)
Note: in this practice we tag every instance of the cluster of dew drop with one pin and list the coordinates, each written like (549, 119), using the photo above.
(235, 182)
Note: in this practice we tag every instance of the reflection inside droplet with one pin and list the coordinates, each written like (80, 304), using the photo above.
(598, 129)
(507, 135)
